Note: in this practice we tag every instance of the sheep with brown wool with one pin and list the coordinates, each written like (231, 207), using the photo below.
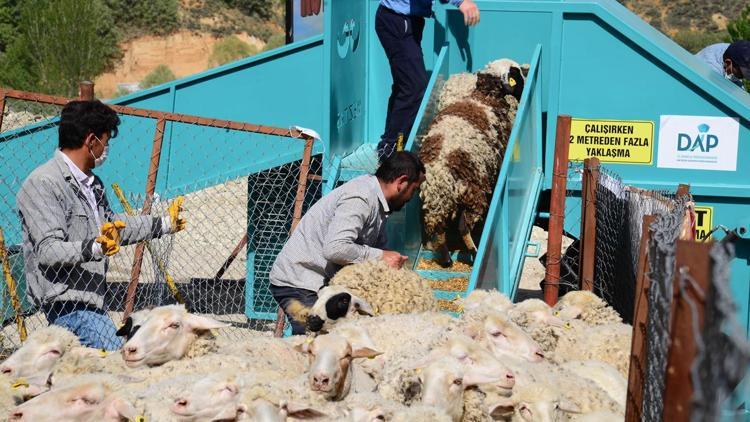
(463, 149)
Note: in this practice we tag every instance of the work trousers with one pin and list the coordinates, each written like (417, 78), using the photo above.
(401, 38)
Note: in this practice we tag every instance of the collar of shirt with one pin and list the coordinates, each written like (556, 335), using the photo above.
(381, 196)
(80, 176)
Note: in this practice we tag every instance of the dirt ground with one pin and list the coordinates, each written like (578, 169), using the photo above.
(533, 270)
(184, 52)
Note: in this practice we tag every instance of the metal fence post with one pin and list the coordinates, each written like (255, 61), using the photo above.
(634, 404)
(86, 90)
(557, 210)
(299, 201)
(588, 224)
(153, 171)
(692, 260)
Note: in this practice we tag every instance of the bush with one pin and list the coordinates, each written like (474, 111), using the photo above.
(59, 43)
(695, 41)
(230, 49)
(160, 75)
(275, 41)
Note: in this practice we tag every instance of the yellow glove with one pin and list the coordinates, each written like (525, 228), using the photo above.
(110, 237)
(178, 223)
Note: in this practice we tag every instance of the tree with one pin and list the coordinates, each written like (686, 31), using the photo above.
(160, 75)
(739, 29)
(59, 44)
(138, 17)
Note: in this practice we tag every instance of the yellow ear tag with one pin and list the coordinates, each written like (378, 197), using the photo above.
(511, 82)
(567, 325)
(557, 313)
(103, 353)
(309, 340)
(19, 383)
(139, 418)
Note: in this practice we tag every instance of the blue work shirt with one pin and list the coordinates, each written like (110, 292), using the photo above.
(415, 7)
(713, 55)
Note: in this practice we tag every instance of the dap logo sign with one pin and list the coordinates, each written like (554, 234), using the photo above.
(348, 39)
(702, 141)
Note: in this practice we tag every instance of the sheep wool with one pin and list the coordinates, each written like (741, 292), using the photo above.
(608, 343)
(387, 290)
(594, 310)
(462, 151)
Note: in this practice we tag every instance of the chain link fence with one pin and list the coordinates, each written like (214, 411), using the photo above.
(661, 255)
(241, 185)
(723, 350)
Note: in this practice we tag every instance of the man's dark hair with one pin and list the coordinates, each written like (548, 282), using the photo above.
(79, 118)
(401, 163)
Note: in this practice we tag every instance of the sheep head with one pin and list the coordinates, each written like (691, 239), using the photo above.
(166, 333)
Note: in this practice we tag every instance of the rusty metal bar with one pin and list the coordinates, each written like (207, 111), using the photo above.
(557, 210)
(694, 258)
(86, 90)
(231, 257)
(299, 201)
(587, 254)
(636, 376)
(10, 283)
(153, 171)
(2, 111)
(160, 115)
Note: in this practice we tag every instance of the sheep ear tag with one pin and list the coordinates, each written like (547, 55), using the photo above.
(103, 353)
(511, 82)
(20, 382)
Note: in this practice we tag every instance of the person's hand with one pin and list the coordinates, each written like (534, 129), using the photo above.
(178, 223)
(394, 259)
(110, 237)
(470, 11)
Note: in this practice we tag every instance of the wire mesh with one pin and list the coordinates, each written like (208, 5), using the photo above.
(236, 184)
(666, 230)
(619, 218)
(723, 351)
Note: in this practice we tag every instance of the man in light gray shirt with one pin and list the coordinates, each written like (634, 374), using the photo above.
(70, 231)
(346, 226)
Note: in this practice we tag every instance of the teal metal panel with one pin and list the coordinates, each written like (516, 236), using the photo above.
(404, 227)
(345, 57)
(503, 243)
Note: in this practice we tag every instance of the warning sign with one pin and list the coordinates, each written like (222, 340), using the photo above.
(704, 217)
(612, 141)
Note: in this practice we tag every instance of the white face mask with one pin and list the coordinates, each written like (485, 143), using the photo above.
(102, 158)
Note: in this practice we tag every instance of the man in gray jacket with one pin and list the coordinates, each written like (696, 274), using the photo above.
(69, 229)
(346, 226)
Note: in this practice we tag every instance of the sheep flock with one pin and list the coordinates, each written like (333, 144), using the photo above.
(381, 352)
(400, 360)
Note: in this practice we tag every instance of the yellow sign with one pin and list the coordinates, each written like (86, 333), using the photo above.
(612, 141)
(704, 221)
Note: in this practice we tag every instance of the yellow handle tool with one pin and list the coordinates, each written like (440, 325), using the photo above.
(170, 281)
(11, 283)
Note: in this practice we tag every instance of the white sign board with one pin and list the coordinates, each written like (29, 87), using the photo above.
(698, 142)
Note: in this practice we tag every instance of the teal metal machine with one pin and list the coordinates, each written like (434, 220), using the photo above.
(591, 59)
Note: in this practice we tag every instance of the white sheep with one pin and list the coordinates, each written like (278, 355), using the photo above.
(608, 343)
(604, 375)
(387, 290)
(586, 306)
(167, 333)
(536, 318)
(94, 397)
